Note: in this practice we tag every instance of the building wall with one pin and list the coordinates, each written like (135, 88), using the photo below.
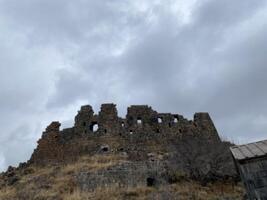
(254, 175)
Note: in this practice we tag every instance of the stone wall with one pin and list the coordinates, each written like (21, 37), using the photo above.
(143, 130)
(50, 146)
(130, 174)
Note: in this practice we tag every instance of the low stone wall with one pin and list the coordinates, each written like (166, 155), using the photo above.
(129, 174)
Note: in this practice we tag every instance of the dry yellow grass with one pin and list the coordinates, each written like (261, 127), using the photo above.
(7, 193)
(93, 163)
(111, 192)
(76, 195)
(182, 190)
(194, 190)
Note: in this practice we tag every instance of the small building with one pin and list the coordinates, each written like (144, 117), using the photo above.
(251, 163)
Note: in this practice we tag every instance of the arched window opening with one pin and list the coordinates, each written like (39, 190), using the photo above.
(159, 120)
(84, 123)
(158, 131)
(139, 121)
(122, 124)
(104, 148)
(175, 120)
(131, 132)
(150, 181)
(94, 126)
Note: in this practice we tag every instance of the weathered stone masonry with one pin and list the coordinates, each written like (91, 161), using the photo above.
(151, 147)
(142, 130)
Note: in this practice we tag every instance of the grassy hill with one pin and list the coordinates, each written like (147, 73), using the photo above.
(61, 182)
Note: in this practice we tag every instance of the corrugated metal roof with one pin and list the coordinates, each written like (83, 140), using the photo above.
(251, 150)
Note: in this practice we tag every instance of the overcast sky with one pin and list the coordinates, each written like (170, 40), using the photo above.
(178, 56)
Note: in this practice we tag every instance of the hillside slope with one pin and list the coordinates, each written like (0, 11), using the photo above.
(148, 155)
(68, 182)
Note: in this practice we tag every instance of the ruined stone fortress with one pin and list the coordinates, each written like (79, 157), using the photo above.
(142, 127)
(148, 142)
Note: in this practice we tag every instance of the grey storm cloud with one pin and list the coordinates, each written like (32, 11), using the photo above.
(177, 56)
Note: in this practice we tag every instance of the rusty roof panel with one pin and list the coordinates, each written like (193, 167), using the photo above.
(251, 150)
